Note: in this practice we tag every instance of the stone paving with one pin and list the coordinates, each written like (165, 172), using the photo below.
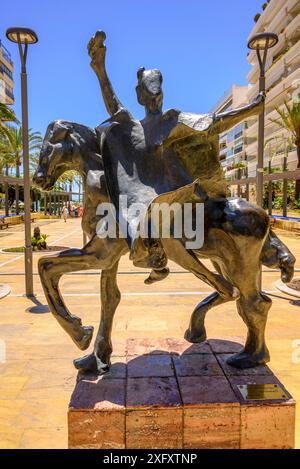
(37, 375)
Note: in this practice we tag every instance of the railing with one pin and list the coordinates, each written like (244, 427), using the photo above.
(284, 176)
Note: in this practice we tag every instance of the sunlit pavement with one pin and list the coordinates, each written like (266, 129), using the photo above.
(37, 374)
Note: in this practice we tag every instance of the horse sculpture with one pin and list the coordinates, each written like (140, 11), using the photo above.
(238, 241)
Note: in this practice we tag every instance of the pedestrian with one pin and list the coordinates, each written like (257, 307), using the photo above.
(65, 213)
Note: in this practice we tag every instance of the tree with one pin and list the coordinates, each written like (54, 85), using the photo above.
(289, 119)
(6, 115)
(11, 149)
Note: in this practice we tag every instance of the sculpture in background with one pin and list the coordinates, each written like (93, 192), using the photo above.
(166, 157)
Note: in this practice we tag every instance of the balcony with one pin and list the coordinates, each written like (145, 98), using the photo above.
(251, 149)
(280, 21)
(279, 84)
(253, 128)
(292, 56)
(292, 31)
(275, 72)
(293, 6)
(268, 16)
(252, 131)
(283, 86)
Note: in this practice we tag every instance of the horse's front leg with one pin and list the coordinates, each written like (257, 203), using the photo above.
(97, 254)
(51, 270)
(99, 360)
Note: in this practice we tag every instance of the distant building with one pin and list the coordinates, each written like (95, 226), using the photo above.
(6, 76)
(282, 80)
(232, 142)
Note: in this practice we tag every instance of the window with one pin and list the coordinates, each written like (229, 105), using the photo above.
(238, 149)
(4, 69)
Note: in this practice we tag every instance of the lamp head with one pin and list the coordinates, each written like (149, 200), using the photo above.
(22, 35)
(262, 40)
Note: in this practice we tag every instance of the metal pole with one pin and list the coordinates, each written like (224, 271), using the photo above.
(285, 185)
(261, 138)
(26, 175)
(260, 152)
(270, 201)
(84, 237)
(45, 202)
(6, 193)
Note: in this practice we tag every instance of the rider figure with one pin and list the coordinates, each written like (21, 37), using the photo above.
(157, 128)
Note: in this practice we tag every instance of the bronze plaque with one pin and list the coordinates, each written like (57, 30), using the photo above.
(260, 392)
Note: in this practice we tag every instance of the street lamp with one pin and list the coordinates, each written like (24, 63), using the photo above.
(261, 42)
(23, 37)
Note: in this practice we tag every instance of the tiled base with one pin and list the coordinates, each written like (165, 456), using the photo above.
(171, 394)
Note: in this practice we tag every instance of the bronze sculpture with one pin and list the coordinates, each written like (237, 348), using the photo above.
(237, 235)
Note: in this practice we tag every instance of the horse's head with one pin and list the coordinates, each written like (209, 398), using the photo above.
(63, 148)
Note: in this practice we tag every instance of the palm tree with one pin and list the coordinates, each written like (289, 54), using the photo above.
(6, 115)
(11, 148)
(289, 119)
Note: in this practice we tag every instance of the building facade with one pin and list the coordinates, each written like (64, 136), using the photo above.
(6, 76)
(282, 82)
(232, 143)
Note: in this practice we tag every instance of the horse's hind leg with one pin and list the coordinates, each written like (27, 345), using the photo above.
(196, 331)
(99, 360)
(253, 308)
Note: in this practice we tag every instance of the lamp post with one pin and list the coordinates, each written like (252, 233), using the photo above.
(261, 42)
(23, 37)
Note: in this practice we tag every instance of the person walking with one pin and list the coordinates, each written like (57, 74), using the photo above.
(65, 213)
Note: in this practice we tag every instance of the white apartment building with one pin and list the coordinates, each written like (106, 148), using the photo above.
(282, 80)
(232, 142)
(6, 76)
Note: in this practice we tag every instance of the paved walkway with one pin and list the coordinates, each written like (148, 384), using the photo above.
(38, 377)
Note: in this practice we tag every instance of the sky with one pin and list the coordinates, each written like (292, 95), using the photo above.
(200, 46)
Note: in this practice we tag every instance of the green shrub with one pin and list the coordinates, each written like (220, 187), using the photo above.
(256, 17)
(278, 202)
(296, 204)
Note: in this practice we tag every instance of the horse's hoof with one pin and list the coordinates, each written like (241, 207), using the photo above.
(244, 360)
(85, 340)
(91, 363)
(194, 338)
(157, 276)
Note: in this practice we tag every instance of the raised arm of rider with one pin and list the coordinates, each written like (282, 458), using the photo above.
(97, 52)
(225, 120)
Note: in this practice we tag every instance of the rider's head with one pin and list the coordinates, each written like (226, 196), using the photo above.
(149, 89)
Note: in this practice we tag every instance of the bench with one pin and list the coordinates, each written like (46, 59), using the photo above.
(3, 225)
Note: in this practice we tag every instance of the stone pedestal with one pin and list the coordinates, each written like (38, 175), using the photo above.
(172, 394)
